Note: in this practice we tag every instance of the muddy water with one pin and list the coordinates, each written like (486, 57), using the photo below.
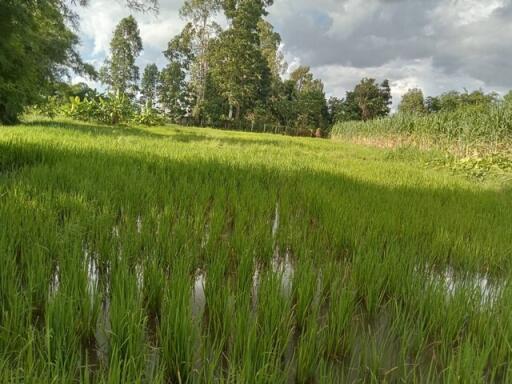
(488, 290)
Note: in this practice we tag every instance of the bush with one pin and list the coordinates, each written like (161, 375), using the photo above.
(50, 107)
(111, 110)
(148, 116)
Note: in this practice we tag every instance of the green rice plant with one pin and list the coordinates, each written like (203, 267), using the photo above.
(168, 254)
(127, 347)
(177, 331)
(309, 349)
(341, 308)
(275, 330)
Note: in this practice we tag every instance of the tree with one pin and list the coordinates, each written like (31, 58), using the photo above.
(386, 98)
(238, 66)
(372, 101)
(453, 100)
(311, 106)
(413, 102)
(202, 28)
(173, 90)
(37, 47)
(149, 84)
(335, 108)
(432, 104)
(120, 72)
(270, 42)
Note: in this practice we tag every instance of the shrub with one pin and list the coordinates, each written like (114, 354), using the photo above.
(148, 116)
(116, 109)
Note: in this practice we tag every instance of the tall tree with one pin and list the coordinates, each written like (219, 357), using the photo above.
(387, 99)
(311, 106)
(413, 102)
(240, 70)
(202, 29)
(120, 72)
(335, 107)
(173, 92)
(270, 42)
(149, 84)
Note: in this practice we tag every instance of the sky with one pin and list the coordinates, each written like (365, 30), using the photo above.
(435, 45)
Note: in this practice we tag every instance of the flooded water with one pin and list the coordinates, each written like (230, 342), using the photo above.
(482, 285)
(92, 276)
(275, 224)
(139, 224)
(198, 296)
(282, 265)
(54, 282)
(371, 335)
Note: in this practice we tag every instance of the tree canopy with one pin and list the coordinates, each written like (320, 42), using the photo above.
(38, 48)
(120, 72)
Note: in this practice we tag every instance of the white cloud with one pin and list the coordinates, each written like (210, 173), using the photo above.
(464, 12)
(436, 45)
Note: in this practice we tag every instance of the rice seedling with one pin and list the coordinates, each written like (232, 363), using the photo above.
(171, 254)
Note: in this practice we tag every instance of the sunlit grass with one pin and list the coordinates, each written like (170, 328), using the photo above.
(177, 254)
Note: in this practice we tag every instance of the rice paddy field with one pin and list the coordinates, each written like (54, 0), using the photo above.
(191, 255)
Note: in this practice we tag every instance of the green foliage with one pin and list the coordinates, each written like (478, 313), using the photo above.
(176, 254)
(37, 46)
(469, 123)
(413, 102)
(270, 42)
(50, 107)
(335, 106)
(149, 84)
(367, 101)
(232, 78)
(453, 100)
(371, 99)
(173, 91)
(312, 111)
(240, 70)
(202, 28)
(115, 109)
(148, 116)
(119, 71)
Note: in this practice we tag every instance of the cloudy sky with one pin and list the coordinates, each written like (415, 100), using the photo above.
(432, 44)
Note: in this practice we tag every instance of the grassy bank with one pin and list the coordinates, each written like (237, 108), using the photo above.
(475, 140)
(189, 255)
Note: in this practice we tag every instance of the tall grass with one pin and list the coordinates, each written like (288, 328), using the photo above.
(189, 255)
(472, 126)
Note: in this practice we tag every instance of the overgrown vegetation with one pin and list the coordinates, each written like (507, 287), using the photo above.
(472, 130)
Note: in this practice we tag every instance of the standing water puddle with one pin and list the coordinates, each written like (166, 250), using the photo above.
(480, 284)
(198, 296)
(275, 225)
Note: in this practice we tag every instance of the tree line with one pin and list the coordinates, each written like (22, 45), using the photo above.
(218, 77)
(227, 77)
